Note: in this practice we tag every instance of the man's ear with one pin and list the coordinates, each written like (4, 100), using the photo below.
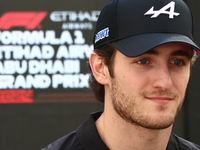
(99, 69)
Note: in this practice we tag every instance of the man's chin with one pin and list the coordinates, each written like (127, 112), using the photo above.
(158, 126)
(162, 122)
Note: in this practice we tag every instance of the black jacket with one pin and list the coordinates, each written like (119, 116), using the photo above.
(86, 137)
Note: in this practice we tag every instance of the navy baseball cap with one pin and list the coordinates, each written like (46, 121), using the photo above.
(136, 26)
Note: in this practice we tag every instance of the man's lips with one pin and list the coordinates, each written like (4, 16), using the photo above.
(160, 99)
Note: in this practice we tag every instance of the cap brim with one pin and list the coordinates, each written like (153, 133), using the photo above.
(139, 44)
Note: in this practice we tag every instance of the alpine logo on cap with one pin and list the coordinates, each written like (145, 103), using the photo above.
(102, 34)
(163, 10)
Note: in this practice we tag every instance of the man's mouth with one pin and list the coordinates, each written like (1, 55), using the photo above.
(160, 99)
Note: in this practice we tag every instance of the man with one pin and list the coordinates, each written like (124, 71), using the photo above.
(141, 65)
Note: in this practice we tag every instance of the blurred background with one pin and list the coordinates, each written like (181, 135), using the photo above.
(44, 49)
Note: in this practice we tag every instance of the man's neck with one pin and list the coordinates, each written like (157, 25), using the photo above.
(119, 134)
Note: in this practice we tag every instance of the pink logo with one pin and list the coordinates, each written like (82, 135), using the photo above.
(30, 19)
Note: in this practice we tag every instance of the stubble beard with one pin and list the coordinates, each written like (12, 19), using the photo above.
(126, 107)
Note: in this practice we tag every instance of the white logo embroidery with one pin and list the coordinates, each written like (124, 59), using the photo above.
(163, 10)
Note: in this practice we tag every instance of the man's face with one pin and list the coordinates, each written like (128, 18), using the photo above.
(149, 90)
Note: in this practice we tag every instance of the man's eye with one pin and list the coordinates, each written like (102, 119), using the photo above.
(143, 61)
(177, 62)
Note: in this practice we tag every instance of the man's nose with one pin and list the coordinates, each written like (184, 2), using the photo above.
(162, 78)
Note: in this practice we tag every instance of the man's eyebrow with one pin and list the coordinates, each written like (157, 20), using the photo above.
(176, 53)
(182, 53)
(152, 52)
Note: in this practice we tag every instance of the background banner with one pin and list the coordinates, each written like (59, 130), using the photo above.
(44, 50)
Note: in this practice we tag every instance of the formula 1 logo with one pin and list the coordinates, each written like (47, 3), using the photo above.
(171, 13)
(29, 20)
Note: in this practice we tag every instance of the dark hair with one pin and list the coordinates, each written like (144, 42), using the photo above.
(107, 52)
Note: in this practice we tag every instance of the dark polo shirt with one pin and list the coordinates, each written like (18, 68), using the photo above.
(86, 137)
